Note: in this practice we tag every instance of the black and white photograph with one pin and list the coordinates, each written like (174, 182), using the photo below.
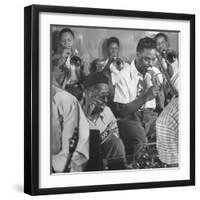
(115, 102)
(109, 100)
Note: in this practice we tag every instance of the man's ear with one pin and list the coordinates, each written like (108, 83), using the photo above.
(138, 55)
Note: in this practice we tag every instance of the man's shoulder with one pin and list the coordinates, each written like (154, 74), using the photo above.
(126, 60)
(62, 95)
(131, 68)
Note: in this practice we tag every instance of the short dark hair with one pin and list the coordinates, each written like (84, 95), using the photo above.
(93, 65)
(146, 43)
(112, 40)
(66, 30)
(161, 35)
(94, 79)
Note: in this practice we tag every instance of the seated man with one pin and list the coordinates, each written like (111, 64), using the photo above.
(100, 116)
(167, 134)
(167, 129)
(133, 100)
(67, 117)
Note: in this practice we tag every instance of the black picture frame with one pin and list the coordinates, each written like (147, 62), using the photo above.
(31, 98)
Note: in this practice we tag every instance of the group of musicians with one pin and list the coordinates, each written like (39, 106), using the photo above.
(129, 104)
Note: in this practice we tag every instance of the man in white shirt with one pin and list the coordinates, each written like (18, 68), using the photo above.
(112, 64)
(137, 116)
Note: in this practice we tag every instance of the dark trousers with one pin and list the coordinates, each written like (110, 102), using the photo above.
(136, 131)
(113, 153)
(113, 147)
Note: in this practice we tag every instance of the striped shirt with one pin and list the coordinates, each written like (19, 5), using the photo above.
(167, 130)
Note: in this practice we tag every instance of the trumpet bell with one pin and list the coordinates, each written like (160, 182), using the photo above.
(75, 60)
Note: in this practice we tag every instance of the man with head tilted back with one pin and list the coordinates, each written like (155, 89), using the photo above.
(101, 118)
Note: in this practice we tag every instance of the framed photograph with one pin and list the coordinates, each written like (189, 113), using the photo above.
(109, 99)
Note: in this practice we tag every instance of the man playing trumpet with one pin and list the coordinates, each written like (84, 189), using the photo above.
(100, 116)
(135, 95)
(68, 59)
(168, 63)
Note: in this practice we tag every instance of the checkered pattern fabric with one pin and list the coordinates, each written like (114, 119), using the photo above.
(167, 133)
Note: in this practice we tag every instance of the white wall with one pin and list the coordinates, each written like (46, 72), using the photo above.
(11, 101)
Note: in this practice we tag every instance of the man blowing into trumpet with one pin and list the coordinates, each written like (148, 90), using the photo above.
(135, 96)
(167, 55)
(111, 67)
(112, 64)
(67, 58)
(168, 64)
(167, 124)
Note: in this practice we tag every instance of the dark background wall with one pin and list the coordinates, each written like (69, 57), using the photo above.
(91, 41)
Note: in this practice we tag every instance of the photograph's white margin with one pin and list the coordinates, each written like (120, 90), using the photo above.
(46, 180)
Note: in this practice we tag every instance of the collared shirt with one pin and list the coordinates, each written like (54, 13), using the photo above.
(148, 76)
(67, 115)
(131, 84)
(167, 131)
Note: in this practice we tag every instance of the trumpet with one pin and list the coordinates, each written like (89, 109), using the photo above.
(173, 90)
(169, 55)
(118, 62)
(110, 129)
(75, 60)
